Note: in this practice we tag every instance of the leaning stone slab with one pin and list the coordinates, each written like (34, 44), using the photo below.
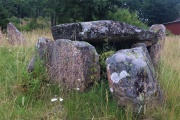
(156, 49)
(41, 51)
(104, 31)
(132, 79)
(15, 37)
(73, 64)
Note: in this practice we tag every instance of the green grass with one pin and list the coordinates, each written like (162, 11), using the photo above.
(28, 96)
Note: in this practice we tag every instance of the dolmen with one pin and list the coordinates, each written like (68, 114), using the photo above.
(72, 61)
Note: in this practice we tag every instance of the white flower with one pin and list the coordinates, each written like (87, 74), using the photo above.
(54, 99)
(23, 100)
(60, 99)
(77, 89)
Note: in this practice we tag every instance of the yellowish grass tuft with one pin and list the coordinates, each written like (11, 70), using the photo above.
(30, 37)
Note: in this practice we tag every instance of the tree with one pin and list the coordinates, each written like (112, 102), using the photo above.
(155, 11)
(3, 16)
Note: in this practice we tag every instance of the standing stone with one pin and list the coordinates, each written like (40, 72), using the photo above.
(73, 64)
(103, 31)
(132, 79)
(15, 37)
(155, 50)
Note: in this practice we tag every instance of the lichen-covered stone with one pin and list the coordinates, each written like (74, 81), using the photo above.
(15, 37)
(131, 77)
(104, 31)
(73, 64)
(155, 50)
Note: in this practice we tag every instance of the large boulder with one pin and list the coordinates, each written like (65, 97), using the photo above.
(104, 31)
(73, 64)
(15, 37)
(132, 78)
(156, 49)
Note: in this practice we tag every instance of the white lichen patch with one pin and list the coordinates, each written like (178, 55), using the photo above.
(139, 63)
(137, 30)
(119, 57)
(115, 77)
(123, 74)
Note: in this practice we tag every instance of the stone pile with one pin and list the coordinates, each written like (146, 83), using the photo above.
(74, 63)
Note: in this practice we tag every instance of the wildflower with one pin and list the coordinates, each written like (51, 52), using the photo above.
(77, 89)
(60, 99)
(23, 100)
(53, 99)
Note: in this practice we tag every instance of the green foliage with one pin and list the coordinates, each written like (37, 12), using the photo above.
(3, 17)
(155, 11)
(124, 15)
(15, 20)
(65, 11)
(97, 103)
(102, 60)
(29, 24)
(168, 33)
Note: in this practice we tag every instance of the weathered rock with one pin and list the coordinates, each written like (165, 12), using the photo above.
(132, 79)
(104, 31)
(15, 37)
(73, 64)
(155, 50)
(42, 48)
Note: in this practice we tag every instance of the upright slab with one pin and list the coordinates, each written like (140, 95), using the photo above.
(156, 49)
(73, 64)
(15, 37)
(132, 78)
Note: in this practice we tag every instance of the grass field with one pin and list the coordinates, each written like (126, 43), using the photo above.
(25, 96)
